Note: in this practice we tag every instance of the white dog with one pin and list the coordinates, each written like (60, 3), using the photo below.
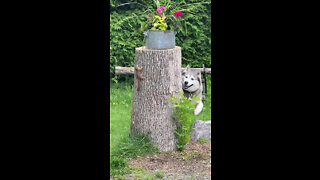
(192, 85)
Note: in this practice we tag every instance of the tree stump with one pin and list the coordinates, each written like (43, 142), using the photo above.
(157, 77)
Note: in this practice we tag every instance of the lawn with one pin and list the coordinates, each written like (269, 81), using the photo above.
(120, 110)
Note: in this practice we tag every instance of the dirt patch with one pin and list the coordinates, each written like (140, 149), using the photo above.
(193, 163)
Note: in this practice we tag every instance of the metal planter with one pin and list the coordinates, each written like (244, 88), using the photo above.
(156, 39)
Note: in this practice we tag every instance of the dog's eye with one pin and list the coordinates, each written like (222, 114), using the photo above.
(191, 78)
(186, 76)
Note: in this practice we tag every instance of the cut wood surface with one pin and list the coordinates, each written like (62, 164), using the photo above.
(130, 70)
(160, 78)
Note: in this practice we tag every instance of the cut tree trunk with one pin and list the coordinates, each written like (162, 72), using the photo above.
(158, 79)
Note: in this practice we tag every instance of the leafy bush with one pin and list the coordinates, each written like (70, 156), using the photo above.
(183, 111)
(127, 23)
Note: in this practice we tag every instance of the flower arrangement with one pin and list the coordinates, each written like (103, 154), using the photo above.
(164, 15)
(160, 20)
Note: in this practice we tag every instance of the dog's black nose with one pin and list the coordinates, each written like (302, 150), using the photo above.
(186, 83)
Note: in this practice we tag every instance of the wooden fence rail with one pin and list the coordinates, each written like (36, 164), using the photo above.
(130, 70)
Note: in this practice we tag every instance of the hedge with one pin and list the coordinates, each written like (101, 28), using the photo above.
(127, 33)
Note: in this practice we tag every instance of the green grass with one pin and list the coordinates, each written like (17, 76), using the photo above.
(123, 146)
(120, 112)
(129, 147)
(135, 145)
(141, 173)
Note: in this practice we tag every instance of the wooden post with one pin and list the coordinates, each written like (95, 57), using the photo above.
(158, 75)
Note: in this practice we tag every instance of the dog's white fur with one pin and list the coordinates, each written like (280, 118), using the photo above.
(191, 85)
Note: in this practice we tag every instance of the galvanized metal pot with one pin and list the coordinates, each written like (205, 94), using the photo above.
(156, 39)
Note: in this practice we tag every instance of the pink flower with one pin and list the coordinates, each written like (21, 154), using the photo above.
(161, 16)
(162, 7)
(159, 10)
(178, 13)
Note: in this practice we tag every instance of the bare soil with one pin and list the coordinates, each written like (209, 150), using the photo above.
(193, 163)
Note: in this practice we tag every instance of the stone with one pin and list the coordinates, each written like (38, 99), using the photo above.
(202, 129)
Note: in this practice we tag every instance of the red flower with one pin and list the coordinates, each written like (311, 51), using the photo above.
(178, 13)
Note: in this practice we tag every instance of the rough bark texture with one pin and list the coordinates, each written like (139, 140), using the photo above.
(151, 111)
(130, 70)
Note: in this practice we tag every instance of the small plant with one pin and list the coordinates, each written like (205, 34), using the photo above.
(183, 112)
(159, 174)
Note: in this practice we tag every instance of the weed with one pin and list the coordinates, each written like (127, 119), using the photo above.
(159, 174)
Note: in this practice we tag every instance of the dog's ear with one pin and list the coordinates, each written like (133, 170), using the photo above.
(188, 67)
(185, 70)
(199, 76)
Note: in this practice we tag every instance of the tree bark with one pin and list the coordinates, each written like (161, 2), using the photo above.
(151, 110)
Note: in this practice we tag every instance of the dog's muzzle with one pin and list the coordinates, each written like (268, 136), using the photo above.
(186, 85)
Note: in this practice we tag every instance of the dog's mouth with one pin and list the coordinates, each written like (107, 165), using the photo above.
(186, 87)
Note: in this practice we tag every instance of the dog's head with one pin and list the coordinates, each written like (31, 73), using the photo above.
(190, 80)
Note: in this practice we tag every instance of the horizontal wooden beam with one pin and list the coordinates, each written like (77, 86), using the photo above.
(130, 70)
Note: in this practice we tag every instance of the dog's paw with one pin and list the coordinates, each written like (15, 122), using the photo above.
(197, 111)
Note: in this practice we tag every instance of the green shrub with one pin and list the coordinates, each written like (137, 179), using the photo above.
(183, 112)
(127, 24)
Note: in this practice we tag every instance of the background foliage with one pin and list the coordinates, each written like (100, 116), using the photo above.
(126, 32)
